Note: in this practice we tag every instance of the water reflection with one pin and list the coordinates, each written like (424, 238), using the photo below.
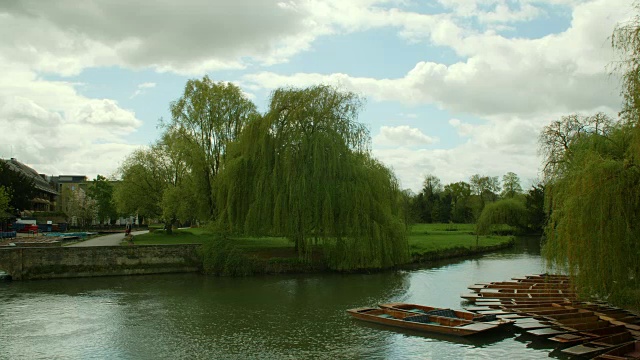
(192, 316)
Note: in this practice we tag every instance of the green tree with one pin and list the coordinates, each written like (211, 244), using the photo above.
(486, 189)
(304, 171)
(5, 200)
(207, 117)
(101, 190)
(142, 184)
(510, 211)
(510, 185)
(21, 187)
(592, 196)
(460, 196)
(430, 200)
(534, 202)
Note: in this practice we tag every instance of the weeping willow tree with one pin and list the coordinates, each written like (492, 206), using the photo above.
(304, 171)
(593, 200)
(511, 212)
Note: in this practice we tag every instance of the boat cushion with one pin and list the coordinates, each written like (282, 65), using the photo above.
(443, 312)
(418, 318)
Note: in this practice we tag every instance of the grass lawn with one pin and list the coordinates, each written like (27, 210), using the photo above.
(423, 238)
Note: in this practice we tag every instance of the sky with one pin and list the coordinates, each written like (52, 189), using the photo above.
(452, 88)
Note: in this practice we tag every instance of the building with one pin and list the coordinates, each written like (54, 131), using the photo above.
(46, 195)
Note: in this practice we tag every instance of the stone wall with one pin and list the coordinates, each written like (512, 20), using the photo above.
(65, 262)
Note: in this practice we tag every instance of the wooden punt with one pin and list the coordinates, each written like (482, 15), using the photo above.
(580, 337)
(500, 296)
(630, 350)
(458, 314)
(599, 346)
(529, 325)
(526, 291)
(421, 322)
(558, 329)
(516, 285)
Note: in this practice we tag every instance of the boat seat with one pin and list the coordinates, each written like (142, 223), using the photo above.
(418, 318)
(443, 312)
(386, 316)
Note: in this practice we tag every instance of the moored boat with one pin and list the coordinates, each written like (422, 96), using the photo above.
(599, 346)
(457, 314)
(421, 322)
(573, 338)
(630, 350)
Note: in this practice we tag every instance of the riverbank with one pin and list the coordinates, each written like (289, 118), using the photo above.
(277, 255)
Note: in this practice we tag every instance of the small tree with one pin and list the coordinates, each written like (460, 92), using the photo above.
(510, 185)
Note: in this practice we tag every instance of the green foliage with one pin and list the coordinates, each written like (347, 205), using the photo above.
(594, 204)
(304, 172)
(205, 119)
(486, 189)
(510, 185)
(5, 200)
(511, 212)
(143, 182)
(101, 190)
(222, 257)
(20, 187)
(534, 202)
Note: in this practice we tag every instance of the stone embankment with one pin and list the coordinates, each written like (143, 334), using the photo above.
(27, 263)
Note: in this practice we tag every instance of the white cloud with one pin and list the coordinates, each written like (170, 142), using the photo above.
(141, 89)
(559, 72)
(464, 129)
(56, 130)
(189, 37)
(402, 136)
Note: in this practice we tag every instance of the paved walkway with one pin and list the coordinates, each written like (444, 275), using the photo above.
(108, 240)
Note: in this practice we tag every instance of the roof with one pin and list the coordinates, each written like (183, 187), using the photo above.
(39, 183)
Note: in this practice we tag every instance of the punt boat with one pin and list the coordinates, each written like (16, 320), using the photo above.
(421, 322)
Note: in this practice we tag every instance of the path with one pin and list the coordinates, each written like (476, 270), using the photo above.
(108, 240)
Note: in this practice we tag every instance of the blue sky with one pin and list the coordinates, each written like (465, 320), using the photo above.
(452, 87)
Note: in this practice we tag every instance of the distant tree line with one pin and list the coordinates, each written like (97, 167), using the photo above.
(466, 202)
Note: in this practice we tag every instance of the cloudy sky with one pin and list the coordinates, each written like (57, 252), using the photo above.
(453, 87)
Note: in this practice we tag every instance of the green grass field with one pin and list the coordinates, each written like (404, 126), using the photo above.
(423, 238)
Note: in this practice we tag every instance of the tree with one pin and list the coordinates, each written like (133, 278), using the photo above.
(510, 185)
(431, 190)
(5, 200)
(101, 190)
(304, 171)
(534, 202)
(460, 195)
(207, 117)
(79, 207)
(142, 184)
(486, 188)
(154, 181)
(511, 212)
(556, 138)
(21, 187)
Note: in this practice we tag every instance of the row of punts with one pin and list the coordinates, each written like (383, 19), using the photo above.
(541, 305)
(546, 306)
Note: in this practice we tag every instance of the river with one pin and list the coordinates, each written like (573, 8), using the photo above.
(189, 316)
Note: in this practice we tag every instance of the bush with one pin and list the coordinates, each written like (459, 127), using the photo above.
(223, 258)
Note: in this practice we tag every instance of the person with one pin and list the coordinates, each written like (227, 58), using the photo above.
(127, 229)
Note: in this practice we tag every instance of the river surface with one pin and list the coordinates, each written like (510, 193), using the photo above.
(189, 316)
